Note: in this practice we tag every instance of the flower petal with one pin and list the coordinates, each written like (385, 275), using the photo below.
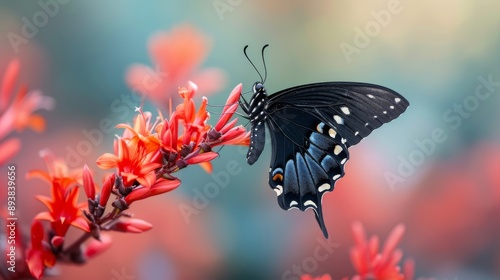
(392, 241)
(203, 157)
(207, 166)
(163, 186)
(8, 82)
(81, 223)
(96, 247)
(88, 183)
(132, 225)
(107, 161)
(8, 149)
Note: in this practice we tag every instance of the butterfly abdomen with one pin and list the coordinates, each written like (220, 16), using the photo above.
(258, 115)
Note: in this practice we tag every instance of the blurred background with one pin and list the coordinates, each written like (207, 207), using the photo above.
(435, 169)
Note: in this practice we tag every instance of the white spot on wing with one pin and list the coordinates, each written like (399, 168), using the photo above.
(345, 110)
(324, 187)
(338, 119)
(337, 150)
(293, 203)
(397, 99)
(343, 140)
(278, 190)
(343, 161)
(336, 177)
(319, 127)
(370, 96)
(392, 107)
(356, 133)
(310, 203)
(332, 132)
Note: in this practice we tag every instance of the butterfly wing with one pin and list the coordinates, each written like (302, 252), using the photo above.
(312, 126)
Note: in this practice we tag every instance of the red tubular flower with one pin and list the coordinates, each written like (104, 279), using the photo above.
(309, 277)
(148, 153)
(132, 226)
(88, 183)
(203, 157)
(18, 114)
(63, 206)
(230, 107)
(58, 172)
(64, 210)
(161, 186)
(96, 247)
(134, 161)
(369, 262)
(106, 190)
(177, 56)
(143, 128)
(38, 255)
(8, 149)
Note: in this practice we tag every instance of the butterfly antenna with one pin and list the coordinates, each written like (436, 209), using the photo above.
(264, 62)
(245, 52)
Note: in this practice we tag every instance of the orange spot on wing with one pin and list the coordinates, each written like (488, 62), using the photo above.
(277, 177)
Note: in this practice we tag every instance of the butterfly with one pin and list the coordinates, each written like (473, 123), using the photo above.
(312, 127)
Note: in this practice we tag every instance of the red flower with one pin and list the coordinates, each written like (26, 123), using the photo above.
(134, 160)
(226, 132)
(58, 172)
(132, 225)
(19, 113)
(39, 254)
(160, 186)
(369, 262)
(96, 247)
(177, 56)
(88, 183)
(148, 153)
(64, 209)
(372, 264)
(309, 277)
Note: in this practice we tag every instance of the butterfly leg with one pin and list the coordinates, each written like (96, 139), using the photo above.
(244, 105)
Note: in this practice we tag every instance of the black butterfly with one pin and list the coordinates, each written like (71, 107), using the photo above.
(312, 126)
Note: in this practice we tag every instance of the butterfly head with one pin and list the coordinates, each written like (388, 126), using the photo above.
(258, 88)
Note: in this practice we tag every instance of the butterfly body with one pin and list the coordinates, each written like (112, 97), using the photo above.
(311, 128)
(257, 112)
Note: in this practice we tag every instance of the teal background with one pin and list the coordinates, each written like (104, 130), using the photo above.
(431, 52)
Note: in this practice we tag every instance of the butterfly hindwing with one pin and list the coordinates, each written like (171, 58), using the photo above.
(312, 126)
(307, 159)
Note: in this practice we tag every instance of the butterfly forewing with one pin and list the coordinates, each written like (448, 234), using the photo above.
(311, 127)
